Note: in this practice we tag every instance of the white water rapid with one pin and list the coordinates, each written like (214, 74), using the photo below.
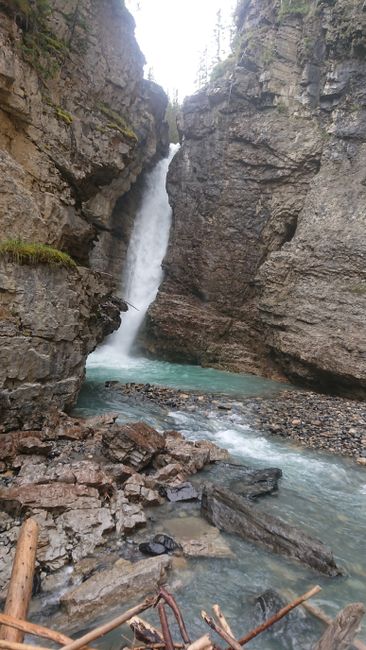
(143, 273)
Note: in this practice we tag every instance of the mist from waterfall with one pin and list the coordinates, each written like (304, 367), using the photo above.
(143, 273)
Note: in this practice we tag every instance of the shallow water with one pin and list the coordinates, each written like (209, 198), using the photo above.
(320, 492)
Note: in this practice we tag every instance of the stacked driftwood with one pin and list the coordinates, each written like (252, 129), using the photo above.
(339, 635)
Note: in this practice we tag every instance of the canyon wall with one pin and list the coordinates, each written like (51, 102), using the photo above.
(266, 267)
(78, 126)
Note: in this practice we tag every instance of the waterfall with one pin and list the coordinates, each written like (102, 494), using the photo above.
(143, 274)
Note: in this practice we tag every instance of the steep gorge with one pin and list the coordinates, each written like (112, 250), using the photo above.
(265, 271)
(78, 126)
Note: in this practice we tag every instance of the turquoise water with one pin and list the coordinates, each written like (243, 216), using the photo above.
(186, 377)
(323, 494)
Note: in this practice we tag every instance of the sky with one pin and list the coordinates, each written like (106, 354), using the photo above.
(173, 35)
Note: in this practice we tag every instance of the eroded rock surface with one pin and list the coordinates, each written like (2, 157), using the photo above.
(265, 271)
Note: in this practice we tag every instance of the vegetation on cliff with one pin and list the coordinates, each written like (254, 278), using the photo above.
(21, 252)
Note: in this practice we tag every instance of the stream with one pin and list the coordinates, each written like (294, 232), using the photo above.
(320, 492)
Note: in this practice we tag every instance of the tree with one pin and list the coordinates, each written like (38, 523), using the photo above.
(172, 112)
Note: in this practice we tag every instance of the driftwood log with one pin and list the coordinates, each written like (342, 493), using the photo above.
(341, 632)
(35, 630)
(21, 580)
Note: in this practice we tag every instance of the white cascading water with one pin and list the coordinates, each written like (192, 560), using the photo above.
(143, 272)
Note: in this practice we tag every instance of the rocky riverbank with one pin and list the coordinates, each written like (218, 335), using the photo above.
(314, 420)
(87, 484)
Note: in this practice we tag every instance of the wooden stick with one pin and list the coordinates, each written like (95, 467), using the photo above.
(111, 625)
(340, 634)
(158, 646)
(165, 627)
(222, 620)
(21, 580)
(233, 643)
(277, 617)
(203, 643)
(13, 645)
(36, 630)
(145, 632)
(170, 600)
(322, 616)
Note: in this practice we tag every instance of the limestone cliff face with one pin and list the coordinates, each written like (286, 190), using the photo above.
(78, 125)
(266, 267)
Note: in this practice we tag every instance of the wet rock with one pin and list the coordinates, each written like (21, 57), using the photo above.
(289, 629)
(152, 548)
(168, 542)
(255, 483)
(233, 514)
(117, 585)
(183, 492)
(132, 444)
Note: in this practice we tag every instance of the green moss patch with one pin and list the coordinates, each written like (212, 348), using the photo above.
(32, 254)
(117, 122)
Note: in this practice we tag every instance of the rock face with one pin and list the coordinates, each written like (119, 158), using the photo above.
(265, 271)
(78, 125)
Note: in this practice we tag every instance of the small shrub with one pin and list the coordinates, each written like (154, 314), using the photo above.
(21, 252)
(293, 8)
(222, 68)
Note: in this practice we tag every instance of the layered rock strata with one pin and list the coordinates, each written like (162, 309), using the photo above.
(78, 125)
(265, 271)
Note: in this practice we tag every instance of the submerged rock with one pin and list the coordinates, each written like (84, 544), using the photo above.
(233, 514)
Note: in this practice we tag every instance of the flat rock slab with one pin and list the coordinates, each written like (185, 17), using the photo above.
(233, 514)
(114, 586)
(53, 496)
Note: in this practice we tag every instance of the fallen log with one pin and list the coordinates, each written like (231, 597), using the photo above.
(111, 625)
(21, 580)
(277, 617)
(233, 643)
(222, 620)
(234, 514)
(36, 630)
(340, 634)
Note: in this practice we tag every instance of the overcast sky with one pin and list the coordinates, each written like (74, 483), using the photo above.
(172, 35)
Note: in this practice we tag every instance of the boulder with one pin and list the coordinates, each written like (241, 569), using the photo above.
(234, 514)
(257, 482)
(152, 548)
(114, 586)
(136, 490)
(170, 544)
(128, 515)
(135, 444)
(182, 492)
